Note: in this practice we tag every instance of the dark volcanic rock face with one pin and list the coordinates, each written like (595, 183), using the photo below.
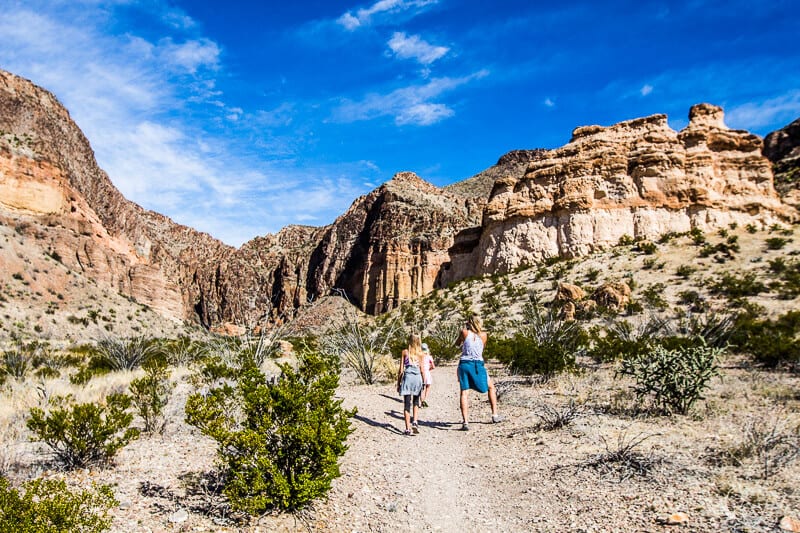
(782, 147)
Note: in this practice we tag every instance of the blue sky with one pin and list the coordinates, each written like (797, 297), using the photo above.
(238, 118)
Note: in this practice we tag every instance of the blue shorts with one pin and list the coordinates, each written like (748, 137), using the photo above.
(472, 375)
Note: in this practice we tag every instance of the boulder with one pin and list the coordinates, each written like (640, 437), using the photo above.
(614, 295)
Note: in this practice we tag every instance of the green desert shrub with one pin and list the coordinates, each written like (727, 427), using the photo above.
(279, 441)
(49, 506)
(544, 344)
(81, 435)
(697, 236)
(674, 378)
(150, 394)
(771, 343)
(776, 243)
(625, 240)
(734, 286)
(684, 271)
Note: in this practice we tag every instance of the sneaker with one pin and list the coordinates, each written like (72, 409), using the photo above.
(424, 403)
(407, 432)
(464, 427)
(497, 418)
(415, 429)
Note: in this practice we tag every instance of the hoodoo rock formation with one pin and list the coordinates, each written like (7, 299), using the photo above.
(397, 243)
(638, 178)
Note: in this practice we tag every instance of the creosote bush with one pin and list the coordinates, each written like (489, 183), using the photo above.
(771, 343)
(279, 441)
(676, 378)
(48, 506)
(150, 394)
(86, 434)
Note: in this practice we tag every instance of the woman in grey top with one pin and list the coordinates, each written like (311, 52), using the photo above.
(471, 370)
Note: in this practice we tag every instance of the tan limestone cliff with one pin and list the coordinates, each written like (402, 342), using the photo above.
(638, 178)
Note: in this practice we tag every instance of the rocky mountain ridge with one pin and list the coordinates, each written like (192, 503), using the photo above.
(396, 243)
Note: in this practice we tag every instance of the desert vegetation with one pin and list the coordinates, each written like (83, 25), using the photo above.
(708, 351)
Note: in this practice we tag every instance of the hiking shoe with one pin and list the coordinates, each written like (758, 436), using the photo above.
(497, 418)
(464, 427)
(415, 429)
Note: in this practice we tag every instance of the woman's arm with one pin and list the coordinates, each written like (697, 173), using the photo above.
(462, 337)
(401, 369)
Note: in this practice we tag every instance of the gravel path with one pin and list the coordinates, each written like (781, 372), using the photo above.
(433, 481)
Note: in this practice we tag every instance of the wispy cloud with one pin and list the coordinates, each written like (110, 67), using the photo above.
(413, 47)
(754, 115)
(548, 102)
(382, 8)
(408, 105)
(646, 89)
(160, 126)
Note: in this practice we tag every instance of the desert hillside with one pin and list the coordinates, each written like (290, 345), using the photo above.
(640, 287)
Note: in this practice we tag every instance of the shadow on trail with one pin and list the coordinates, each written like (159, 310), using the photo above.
(395, 398)
(442, 426)
(446, 426)
(374, 423)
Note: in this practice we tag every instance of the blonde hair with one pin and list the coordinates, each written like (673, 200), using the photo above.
(415, 348)
(475, 323)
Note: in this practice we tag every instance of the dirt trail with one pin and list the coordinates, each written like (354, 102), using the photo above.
(434, 481)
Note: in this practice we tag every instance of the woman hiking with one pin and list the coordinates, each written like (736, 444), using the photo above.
(471, 370)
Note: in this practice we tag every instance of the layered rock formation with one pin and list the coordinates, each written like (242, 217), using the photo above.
(397, 243)
(393, 244)
(638, 178)
(49, 176)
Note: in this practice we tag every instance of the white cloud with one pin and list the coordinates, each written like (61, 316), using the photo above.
(646, 89)
(549, 102)
(129, 95)
(423, 114)
(190, 55)
(413, 47)
(408, 105)
(754, 115)
(364, 17)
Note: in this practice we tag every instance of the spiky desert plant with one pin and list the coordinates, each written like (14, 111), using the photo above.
(360, 345)
(441, 338)
(125, 354)
(676, 378)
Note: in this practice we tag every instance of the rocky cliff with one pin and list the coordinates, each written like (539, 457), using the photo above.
(399, 242)
(49, 177)
(782, 147)
(638, 178)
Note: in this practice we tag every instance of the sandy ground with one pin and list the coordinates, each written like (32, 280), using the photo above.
(511, 476)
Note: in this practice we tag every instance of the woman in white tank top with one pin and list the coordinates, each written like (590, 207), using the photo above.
(472, 371)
